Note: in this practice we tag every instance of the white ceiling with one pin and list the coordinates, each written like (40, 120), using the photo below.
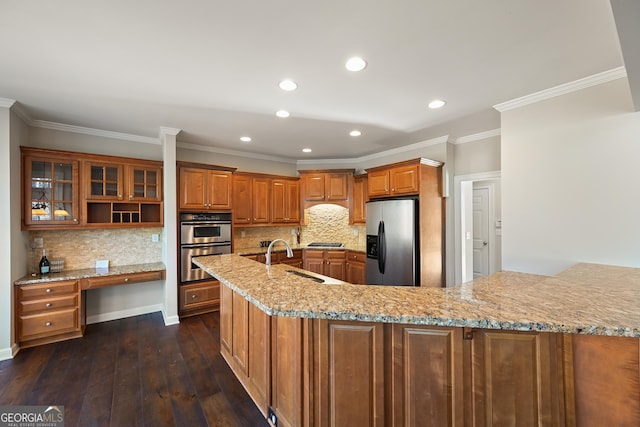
(211, 68)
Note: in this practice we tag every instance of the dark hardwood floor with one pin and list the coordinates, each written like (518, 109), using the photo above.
(133, 372)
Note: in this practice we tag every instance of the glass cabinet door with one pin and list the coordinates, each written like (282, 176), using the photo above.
(144, 183)
(105, 181)
(51, 197)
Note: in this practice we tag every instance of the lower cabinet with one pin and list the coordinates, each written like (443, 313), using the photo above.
(328, 262)
(279, 257)
(198, 298)
(315, 372)
(356, 267)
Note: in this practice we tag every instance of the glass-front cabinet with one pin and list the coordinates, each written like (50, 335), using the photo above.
(144, 183)
(105, 181)
(51, 191)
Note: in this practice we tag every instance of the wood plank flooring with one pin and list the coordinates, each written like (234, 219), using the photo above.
(134, 372)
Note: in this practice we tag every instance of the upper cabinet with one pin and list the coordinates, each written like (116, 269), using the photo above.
(397, 179)
(251, 199)
(203, 187)
(359, 198)
(325, 186)
(50, 189)
(63, 189)
(285, 198)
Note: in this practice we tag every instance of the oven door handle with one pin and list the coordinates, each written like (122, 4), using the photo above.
(204, 245)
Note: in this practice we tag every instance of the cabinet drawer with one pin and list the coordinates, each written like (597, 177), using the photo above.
(198, 295)
(48, 289)
(122, 279)
(356, 257)
(46, 324)
(48, 304)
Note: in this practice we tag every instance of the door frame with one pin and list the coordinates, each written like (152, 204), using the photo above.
(463, 209)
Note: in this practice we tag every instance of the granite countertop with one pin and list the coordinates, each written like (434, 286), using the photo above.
(585, 299)
(86, 273)
(281, 248)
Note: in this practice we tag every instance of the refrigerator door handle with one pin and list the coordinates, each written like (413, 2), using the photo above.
(382, 248)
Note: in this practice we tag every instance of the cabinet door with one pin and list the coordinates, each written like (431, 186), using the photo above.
(285, 197)
(378, 183)
(427, 375)
(144, 183)
(261, 200)
(314, 186)
(335, 265)
(193, 187)
(516, 379)
(349, 373)
(259, 357)
(337, 186)
(292, 201)
(405, 180)
(314, 260)
(356, 268)
(219, 189)
(240, 336)
(104, 181)
(226, 319)
(50, 191)
(242, 199)
(358, 201)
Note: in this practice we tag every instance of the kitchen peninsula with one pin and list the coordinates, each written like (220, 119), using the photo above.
(507, 349)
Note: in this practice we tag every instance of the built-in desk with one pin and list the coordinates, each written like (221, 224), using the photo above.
(52, 308)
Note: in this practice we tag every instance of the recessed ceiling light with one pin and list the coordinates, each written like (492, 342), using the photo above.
(306, 150)
(356, 63)
(355, 132)
(283, 113)
(437, 103)
(245, 138)
(288, 85)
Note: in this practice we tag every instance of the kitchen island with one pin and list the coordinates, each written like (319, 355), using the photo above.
(507, 349)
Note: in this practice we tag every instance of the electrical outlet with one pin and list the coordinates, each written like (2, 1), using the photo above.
(272, 417)
(155, 237)
(38, 243)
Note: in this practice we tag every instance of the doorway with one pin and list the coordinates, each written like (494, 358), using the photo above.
(478, 226)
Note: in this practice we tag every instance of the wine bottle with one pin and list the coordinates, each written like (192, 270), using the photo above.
(44, 263)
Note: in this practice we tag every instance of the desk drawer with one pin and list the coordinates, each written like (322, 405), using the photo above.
(48, 304)
(47, 324)
(199, 295)
(45, 290)
(122, 279)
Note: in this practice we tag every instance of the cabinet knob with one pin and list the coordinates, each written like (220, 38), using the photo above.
(120, 196)
(48, 304)
(130, 197)
(48, 290)
(126, 279)
(75, 219)
(48, 324)
(193, 296)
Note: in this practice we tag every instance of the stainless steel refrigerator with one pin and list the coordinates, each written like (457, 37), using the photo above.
(393, 256)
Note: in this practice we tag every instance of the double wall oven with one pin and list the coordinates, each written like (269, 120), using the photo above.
(202, 234)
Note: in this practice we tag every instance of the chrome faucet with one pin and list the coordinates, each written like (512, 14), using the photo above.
(289, 251)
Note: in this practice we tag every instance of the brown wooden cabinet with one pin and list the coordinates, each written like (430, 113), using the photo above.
(48, 312)
(285, 207)
(398, 180)
(356, 267)
(329, 262)
(198, 298)
(279, 257)
(50, 184)
(348, 372)
(203, 187)
(251, 199)
(325, 186)
(358, 200)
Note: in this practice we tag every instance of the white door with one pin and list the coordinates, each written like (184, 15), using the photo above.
(480, 232)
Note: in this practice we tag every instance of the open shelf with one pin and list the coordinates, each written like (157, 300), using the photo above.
(123, 213)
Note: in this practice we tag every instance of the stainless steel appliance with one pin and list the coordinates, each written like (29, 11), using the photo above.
(393, 256)
(202, 234)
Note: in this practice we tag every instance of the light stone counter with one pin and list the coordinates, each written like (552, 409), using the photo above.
(281, 248)
(585, 299)
(86, 273)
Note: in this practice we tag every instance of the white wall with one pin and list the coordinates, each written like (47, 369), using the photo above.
(477, 156)
(570, 170)
(246, 164)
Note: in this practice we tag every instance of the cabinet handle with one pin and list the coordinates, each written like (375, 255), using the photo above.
(120, 196)
(48, 324)
(130, 196)
(193, 296)
(48, 290)
(75, 219)
(126, 279)
(48, 304)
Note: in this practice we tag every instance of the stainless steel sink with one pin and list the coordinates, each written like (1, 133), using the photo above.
(307, 276)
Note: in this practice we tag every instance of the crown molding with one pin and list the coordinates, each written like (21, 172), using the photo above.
(596, 79)
(94, 132)
(169, 131)
(199, 147)
(478, 136)
(6, 102)
(382, 154)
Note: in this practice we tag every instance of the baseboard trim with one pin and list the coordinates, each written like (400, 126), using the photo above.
(9, 352)
(170, 320)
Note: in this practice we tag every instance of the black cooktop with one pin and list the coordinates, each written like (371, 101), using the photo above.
(324, 245)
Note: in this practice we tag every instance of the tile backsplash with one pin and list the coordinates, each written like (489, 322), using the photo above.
(81, 248)
(323, 223)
